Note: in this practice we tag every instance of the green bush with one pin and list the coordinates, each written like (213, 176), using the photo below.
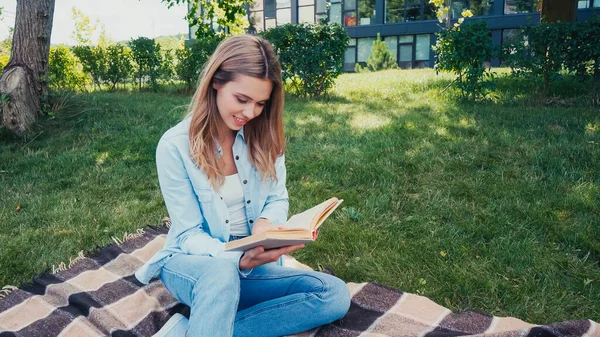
(380, 59)
(547, 50)
(462, 50)
(64, 72)
(119, 67)
(311, 55)
(148, 60)
(192, 57)
(94, 61)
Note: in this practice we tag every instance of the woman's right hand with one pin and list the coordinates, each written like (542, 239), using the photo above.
(258, 256)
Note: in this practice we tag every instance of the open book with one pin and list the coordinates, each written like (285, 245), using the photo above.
(300, 228)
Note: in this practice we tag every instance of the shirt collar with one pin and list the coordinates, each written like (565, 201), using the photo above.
(239, 134)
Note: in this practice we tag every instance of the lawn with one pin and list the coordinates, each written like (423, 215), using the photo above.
(493, 206)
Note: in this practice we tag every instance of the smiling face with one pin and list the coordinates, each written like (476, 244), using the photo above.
(241, 100)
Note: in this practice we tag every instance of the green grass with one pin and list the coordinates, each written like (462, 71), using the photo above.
(492, 206)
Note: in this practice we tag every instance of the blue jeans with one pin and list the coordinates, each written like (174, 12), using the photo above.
(271, 301)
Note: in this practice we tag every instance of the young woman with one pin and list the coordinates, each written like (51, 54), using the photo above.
(222, 175)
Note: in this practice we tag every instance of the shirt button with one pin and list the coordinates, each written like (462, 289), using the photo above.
(245, 181)
(248, 201)
(226, 221)
(237, 157)
(251, 221)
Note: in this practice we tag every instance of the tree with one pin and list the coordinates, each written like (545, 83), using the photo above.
(23, 84)
(228, 15)
(84, 28)
(380, 59)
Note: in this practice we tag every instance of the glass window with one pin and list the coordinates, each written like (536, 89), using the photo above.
(422, 48)
(519, 6)
(481, 7)
(256, 5)
(349, 4)
(392, 43)
(306, 14)
(306, 2)
(458, 6)
(269, 9)
(284, 16)
(366, 12)
(352, 42)
(406, 51)
(270, 23)
(597, 4)
(350, 19)
(321, 6)
(256, 22)
(394, 10)
(405, 39)
(583, 4)
(283, 3)
(364, 49)
(335, 13)
(413, 13)
(350, 55)
(429, 13)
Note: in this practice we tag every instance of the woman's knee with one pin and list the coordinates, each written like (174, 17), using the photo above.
(338, 297)
(221, 274)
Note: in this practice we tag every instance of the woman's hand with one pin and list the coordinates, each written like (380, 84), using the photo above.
(262, 225)
(258, 256)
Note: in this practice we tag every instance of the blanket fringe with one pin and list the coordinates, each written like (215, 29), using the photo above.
(6, 290)
(129, 236)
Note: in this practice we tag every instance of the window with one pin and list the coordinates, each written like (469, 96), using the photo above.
(350, 56)
(583, 4)
(520, 6)
(413, 13)
(597, 4)
(306, 14)
(269, 9)
(335, 13)
(481, 7)
(255, 17)
(394, 11)
(306, 11)
(405, 51)
(284, 12)
(364, 49)
(458, 6)
(392, 43)
(423, 47)
(350, 13)
(366, 12)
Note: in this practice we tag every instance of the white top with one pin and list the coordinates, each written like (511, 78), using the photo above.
(233, 195)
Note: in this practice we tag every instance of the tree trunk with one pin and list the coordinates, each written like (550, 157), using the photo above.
(558, 10)
(24, 81)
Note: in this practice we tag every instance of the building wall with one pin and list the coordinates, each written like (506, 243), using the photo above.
(407, 26)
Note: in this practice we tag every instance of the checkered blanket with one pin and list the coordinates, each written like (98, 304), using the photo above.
(99, 296)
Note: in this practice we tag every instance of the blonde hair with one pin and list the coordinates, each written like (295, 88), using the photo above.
(239, 55)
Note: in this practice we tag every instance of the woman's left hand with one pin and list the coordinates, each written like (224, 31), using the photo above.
(262, 225)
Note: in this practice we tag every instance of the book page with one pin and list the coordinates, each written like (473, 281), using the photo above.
(310, 217)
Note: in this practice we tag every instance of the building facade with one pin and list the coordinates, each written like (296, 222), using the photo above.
(407, 26)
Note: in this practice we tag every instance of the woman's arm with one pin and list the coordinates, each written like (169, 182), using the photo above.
(277, 204)
(183, 206)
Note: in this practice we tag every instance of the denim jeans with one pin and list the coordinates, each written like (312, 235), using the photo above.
(270, 301)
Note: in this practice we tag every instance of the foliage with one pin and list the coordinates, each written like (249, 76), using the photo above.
(311, 55)
(462, 50)
(192, 57)
(147, 59)
(64, 72)
(545, 50)
(84, 28)
(380, 59)
(225, 17)
(94, 61)
(120, 67)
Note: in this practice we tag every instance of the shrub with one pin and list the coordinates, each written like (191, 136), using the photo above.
(380, 59)
(311, 55)
(462, 50)
(94, 61)
(192, 57)
(64, 72)
(120, 67)
(147, 59)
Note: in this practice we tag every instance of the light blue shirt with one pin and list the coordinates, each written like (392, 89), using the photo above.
(199, 217)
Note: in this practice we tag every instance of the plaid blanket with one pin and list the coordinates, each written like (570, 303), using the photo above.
(99, 296)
